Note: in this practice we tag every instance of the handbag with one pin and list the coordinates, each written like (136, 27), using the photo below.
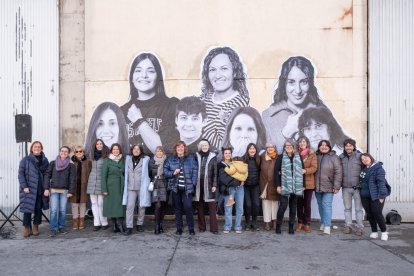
(151, 187)
(264, 193)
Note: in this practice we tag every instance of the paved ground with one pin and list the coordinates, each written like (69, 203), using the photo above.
(250, 253)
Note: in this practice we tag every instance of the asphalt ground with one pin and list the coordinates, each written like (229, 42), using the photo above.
(85, 252)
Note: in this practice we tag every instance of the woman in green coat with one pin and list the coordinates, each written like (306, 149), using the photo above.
(112, 188)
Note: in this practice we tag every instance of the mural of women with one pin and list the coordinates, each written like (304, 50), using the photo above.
(108, 124)
(244, 126)
(223, 89)
(295, 92)
(318, 123)
(149, 113)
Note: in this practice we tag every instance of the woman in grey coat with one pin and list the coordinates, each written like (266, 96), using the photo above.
(328, 180)
(97, 155)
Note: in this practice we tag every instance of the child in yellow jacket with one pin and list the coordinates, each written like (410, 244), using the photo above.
(238, 170)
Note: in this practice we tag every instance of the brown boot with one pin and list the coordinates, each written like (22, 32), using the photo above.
(75, 224)
(273, 224)
(299, 227)
(81, 223)
(26, 231)
(267, 226)
(35, 230)
(307, 228)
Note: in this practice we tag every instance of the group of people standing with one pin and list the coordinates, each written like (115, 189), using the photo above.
(116, 182)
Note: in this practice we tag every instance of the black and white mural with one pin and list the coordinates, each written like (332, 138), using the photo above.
(220, 113)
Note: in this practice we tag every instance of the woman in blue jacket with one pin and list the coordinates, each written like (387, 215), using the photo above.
(181, 172)
(373, 194)
(32, 200)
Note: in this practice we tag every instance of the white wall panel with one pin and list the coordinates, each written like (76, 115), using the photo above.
(29, 83)
(391, 97)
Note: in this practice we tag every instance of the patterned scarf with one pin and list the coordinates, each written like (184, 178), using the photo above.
(292, 182)
(115, 158)
(160, 164)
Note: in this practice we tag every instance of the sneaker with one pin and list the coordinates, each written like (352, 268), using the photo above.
(53, 234)
(359, 232)
(374, 235)
(230, 203)
(322, 227)
(62, 231)
(327, 230)
(226, 231)
(384, 236)
(347, 230)
(238, 231)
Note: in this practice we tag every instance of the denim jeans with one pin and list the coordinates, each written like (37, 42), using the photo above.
(325, 207)
(183, 202)
(58, 203)
(348, 194)
(238, 196)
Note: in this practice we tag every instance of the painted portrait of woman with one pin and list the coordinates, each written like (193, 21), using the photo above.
(108, 124)
(149, 113)
(223, 88)
(245, 126)
(295, 91)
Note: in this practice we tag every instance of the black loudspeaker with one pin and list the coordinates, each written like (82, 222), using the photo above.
(23, 126)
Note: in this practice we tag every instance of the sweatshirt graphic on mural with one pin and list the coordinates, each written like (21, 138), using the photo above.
(221, 114)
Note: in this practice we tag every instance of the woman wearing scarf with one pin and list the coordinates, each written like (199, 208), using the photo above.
(159, 194)
(289, 180)
(98, 155)
(32, 200)
(206, 186)
(310, 162)
(59, 184)
(268, 192)
(113, 186)
(80, 197)
(136, 188)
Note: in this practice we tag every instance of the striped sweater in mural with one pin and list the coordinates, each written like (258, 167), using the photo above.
(218, 113)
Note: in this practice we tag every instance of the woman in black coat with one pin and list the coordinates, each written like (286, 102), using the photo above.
(32, 200)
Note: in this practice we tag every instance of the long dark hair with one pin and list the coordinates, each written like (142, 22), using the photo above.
(307, 68)
(239, 81)
(246, 156)
(94, 123)
(105, 150)
(257, 119)
(159, 85)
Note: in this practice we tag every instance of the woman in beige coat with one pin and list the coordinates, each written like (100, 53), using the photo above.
(268, 193)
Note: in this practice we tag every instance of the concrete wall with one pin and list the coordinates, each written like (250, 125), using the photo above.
(72, 71)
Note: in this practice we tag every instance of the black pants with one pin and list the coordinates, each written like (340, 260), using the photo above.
(251, 203)
(159, 211)
(183, 202)
(292, 200)
(373, 208)
(27, 217)
(304, 207)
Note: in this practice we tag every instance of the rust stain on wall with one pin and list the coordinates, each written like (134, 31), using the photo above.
(347, 12)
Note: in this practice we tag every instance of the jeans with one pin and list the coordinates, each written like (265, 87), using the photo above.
(325, 207)
(251, 203)
(58, 203)
(27, 217)
(348, 194)
(292, 200)
(304, 207)
(238, 196)
(374, 213)
(183, 201)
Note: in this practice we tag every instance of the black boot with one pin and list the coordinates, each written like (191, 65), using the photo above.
(115, 227)
(157, 228)
(140, 228)
(128, 232)
(161, 229)
(120, 224)
(291, 230)
(278, 228)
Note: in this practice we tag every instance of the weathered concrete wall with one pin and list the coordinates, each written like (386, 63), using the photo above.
(72, 71)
